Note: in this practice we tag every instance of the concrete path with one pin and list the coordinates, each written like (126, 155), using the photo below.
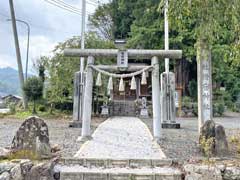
(121, 138)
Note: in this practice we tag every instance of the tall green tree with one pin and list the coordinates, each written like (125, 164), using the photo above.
(33, 89)
(101, 22)
(215, 26)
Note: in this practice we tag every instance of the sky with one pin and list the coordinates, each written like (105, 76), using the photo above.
(49, 26)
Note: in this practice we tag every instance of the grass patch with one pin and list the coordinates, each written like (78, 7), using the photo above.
(21, 114)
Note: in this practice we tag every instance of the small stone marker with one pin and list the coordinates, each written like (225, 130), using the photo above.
(105, 110)
(144, 110)
(33, 136)
(212, 130)
(221, 145)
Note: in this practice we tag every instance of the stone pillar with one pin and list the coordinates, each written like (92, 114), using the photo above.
(204, 73)
(87, 104)
(156, 99)
(168, 109)
(78, 100)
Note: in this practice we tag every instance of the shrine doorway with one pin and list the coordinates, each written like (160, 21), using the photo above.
(124, 103)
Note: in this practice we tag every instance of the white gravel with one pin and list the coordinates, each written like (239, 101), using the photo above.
(121, 138)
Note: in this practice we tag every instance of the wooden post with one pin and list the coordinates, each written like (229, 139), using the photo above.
(87, 104)
(156, 99)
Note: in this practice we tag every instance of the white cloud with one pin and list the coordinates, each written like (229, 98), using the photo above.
(7, 61)
(39, 45)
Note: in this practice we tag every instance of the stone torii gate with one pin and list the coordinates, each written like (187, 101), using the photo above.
(153, 55)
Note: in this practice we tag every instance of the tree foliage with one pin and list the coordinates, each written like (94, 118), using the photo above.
(141, 22)
(101, 22)
(214, 22)
(33, 89)
(61, 68)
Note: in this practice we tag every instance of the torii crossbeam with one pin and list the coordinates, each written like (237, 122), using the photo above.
(153, 55)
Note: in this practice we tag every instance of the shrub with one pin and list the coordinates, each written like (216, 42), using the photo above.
(218, 108)
(42, 108)
(12, 107)
(195, 109)
(192, 88)
(186, 102)
(207, 145)
(33, 89)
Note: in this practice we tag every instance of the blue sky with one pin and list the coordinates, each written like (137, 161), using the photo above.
(49, 25)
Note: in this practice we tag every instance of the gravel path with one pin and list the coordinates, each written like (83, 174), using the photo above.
(121, 138)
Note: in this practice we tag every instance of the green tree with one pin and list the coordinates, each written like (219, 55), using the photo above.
(40, 66)
(101, 22)
(122, 17)
(216, 28)
(33, 88)
(61, 69)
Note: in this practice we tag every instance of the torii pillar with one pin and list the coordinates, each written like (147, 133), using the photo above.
(153, 55)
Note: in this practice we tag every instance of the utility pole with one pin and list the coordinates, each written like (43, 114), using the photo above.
(27, 52)
(28, 29)
(82, 59)
(18, 54)
(166, 32)
(83, 33)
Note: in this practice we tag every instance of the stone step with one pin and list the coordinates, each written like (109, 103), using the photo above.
(117, 163)
(84, 173)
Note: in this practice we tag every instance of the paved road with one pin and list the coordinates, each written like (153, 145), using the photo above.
(121, 138)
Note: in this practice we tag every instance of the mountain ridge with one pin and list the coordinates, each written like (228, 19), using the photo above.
(9, 81)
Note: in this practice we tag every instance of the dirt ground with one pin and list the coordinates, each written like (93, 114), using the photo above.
(177, 143)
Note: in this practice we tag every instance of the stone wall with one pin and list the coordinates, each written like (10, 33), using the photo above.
(27, 170)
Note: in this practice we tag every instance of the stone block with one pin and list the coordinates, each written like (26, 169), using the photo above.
(143, 177)
(93, 176)
(119, 177)
(201, 172)
(71, 176)
(232, 173)
(162, 162)
(168, 177)
(171, 125)
(95, 163)
(6, 166)
(5, 176)
(138, 163)
(16, 172)
(42, 171)
(118, 163)
(75, 124)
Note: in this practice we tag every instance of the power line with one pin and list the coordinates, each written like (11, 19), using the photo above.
(62, 7)
(67, 5)
(4, 15)
(92, 3)
(61, 4)
(33, 25)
